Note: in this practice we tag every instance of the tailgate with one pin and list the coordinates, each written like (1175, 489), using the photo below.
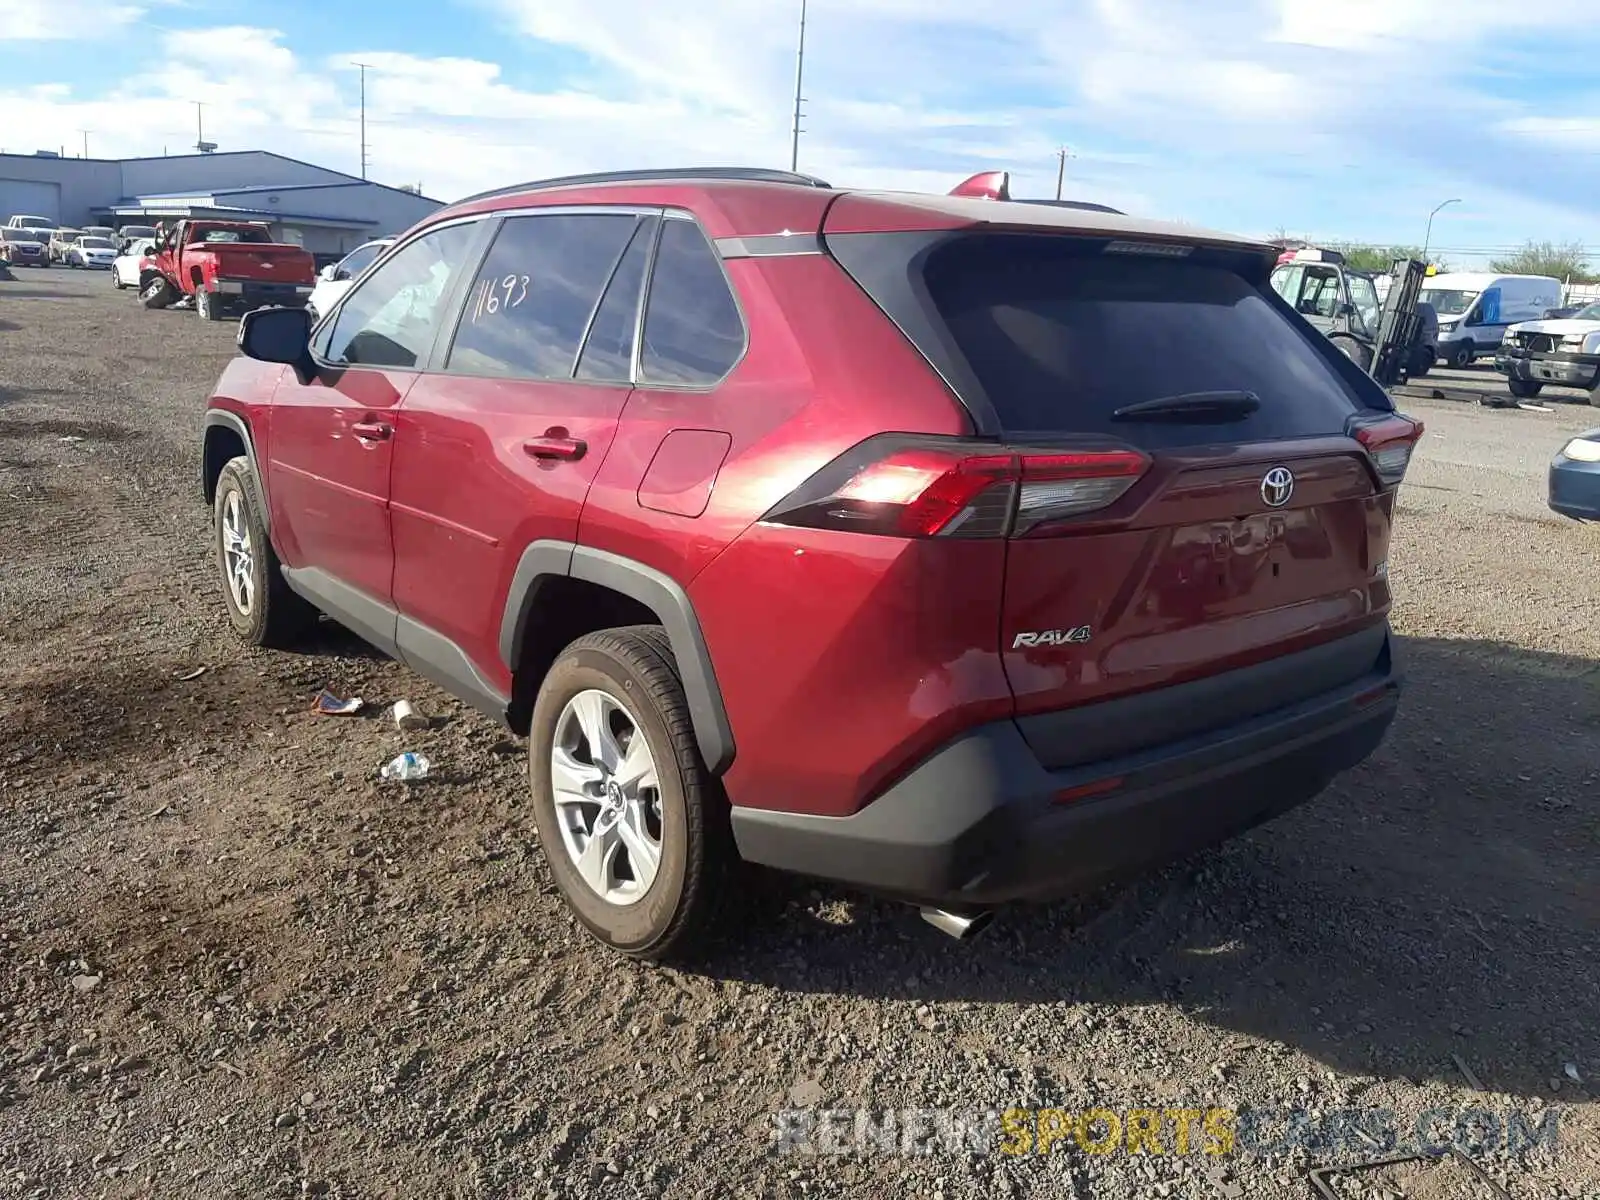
(1234, 504)
(268, 262)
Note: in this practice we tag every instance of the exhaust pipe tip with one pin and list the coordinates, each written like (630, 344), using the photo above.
(961, 926)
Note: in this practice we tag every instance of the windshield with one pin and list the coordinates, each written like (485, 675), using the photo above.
(359, 259)
(1365, 297)
(1448, 302)
(133, 231)
(21, 235)
(38, 222)
(94, 243)
(1588, 313)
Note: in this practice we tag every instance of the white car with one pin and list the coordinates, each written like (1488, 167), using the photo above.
(90, 251)
(125, 267)
(334, 281)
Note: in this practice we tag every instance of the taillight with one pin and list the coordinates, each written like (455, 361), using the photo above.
(923, 488)
(1388, 442)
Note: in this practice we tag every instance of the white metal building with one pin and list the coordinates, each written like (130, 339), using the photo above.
(327, 212)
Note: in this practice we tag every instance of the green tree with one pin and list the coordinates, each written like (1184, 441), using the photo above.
(1379, 259)
(1547, 258)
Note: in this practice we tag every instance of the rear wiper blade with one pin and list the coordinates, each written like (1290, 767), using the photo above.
(1192, 406)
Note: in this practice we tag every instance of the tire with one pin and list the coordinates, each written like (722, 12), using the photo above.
(116, 280)
(1422, 360)
(271, 614)
(1524, 389)
(206, 305)
(1461, 356)
(1355, 352)
(671, 913)
(159, 293)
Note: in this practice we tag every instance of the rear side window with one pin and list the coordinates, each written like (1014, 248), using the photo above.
(527, 310)
(693, 333)
(1060, 335)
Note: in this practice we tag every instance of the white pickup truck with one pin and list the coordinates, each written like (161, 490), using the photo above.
(1564, 351)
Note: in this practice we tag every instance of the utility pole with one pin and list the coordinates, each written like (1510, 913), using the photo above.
(199, 125)
(799, 78)
(1061, 169)
(363, 67)
(86, 133)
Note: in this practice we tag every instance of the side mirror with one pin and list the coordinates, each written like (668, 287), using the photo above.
(1347, 309)
(329, 273)
(277, 335)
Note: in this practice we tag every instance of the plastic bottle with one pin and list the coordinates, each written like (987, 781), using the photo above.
(407, 767)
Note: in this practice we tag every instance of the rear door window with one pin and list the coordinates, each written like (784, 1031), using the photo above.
(527, 311)
(607, 354)
(1060, 335)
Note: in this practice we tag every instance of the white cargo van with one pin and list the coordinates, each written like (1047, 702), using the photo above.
(1475, 307)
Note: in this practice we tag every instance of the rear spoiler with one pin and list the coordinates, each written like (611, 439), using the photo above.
(986, 185)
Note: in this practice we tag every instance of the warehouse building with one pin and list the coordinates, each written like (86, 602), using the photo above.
(327, 212)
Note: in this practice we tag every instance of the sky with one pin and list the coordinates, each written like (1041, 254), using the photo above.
(1339, 120)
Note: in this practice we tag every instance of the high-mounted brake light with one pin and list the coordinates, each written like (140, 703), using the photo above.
(922, 488)
(1151, 249)
(1388, 442)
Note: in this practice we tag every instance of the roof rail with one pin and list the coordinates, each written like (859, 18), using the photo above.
(657, 174)
(1085, 205)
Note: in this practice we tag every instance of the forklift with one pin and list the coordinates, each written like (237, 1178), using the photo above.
(1394, 339)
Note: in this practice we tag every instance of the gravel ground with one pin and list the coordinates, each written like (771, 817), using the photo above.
(233, 964)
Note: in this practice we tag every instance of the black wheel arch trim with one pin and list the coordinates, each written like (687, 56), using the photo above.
(216, 417)
(661, 594)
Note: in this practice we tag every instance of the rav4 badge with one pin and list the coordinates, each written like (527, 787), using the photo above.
(1053, 637)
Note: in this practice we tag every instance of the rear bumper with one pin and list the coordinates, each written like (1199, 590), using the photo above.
(1575, 488)
(979, 822)
(1569, 370)
(253, 293)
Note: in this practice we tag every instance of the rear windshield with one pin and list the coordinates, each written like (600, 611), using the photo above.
(1060, 334)
(94, 243)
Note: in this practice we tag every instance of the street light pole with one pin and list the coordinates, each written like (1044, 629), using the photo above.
(1428, 237)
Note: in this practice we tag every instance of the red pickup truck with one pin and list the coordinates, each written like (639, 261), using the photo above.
(227, 267)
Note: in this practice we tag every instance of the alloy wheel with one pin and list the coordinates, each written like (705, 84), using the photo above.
(607, 797)
(238, 556)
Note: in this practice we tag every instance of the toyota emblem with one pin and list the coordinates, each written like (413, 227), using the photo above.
(1277, 485)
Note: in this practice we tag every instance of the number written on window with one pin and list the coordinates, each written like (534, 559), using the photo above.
(528, 309)
(496, 295)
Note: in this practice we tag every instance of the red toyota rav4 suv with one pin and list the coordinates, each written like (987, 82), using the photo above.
(962, 549)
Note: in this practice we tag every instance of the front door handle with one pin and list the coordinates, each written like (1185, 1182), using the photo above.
(372, 431)
(556, 444)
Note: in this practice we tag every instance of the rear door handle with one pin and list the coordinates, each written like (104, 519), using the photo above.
(372, 431)
(556, 445)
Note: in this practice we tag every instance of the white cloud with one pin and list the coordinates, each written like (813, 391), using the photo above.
(1352, 118)
(62, 20)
